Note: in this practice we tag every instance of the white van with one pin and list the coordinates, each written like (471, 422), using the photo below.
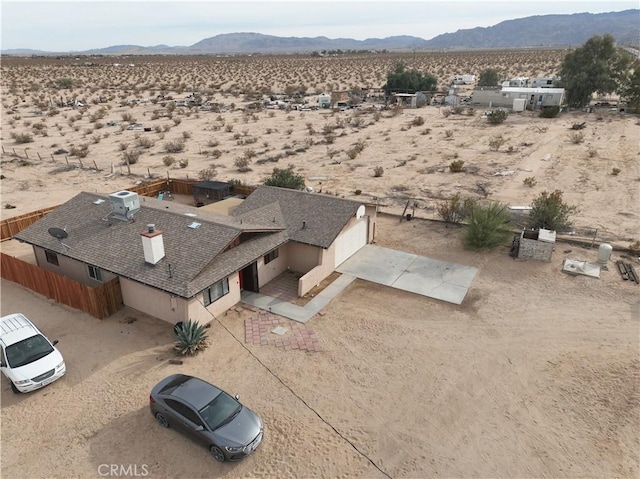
(27, 358)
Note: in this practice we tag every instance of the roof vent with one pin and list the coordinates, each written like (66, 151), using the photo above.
(195, 225)
(124, 204)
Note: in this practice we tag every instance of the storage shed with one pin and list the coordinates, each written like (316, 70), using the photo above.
(210, 192)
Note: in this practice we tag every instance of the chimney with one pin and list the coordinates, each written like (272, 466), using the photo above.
(152, 244)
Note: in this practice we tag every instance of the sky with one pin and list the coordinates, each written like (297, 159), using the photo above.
(80, 25)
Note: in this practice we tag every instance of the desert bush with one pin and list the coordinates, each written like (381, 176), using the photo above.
(453, 210)
(21, 138)
(530, 181)
(285, 178)
(242, 164)
(213, 143)
(128, 117)
(576, 137)
(228, 128)
(496, 142)
(549, 211)
(357, 192)
(191, 338)
(616, 171)
(145, 142)
(175, 146)
(207, 174)
(186, 135)
(183, 163)
(497, 116)
(79, 151)
(177, 121)
(487, 226)
(456, 166)
(131, 157)
(417, 121)
(64, 83)
(378, 171)
(549, 111)
(168, 160)
(634, 248)
(448, 133)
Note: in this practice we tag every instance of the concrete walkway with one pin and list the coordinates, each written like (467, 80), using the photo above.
(417, 274)
(302, 314)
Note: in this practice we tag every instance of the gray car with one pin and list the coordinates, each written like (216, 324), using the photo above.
(207, 414)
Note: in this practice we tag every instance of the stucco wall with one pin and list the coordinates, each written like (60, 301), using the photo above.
(266, 272)
(154, 302)
(320, 272)
(197, 311)
(71, 268)
(303, 258)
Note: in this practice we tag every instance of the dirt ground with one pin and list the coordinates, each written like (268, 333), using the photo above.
(536, 374)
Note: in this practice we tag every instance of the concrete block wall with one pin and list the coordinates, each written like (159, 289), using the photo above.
(534, 249)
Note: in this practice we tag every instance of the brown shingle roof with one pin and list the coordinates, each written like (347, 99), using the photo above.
(116, 246)
(310, 218)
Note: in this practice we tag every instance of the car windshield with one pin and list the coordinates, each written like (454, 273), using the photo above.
(28, 350)
(220, 411)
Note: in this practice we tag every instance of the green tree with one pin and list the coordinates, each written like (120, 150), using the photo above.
(630, 89)
(595, 67)
(285, 178)
(549, 211)
(411, 80)
(489, 77)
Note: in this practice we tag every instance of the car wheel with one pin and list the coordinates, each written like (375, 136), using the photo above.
(217, 453)
(162, 420)
(14, 388)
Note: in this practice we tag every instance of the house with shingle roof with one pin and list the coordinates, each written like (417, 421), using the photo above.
(178, 262)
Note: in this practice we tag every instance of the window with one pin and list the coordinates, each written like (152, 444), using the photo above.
(268, 258)
(216, 291)
(51, 257)
(184, 411)
(95, 273)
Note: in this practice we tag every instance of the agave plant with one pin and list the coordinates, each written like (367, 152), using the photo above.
(190, 338)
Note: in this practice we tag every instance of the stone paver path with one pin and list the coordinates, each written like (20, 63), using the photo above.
(298, 336)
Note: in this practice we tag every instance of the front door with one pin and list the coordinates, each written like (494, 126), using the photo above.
(249, 278)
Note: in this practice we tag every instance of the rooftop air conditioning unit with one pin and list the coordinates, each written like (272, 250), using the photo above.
(124, 204)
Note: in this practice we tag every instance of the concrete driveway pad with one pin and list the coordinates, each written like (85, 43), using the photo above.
(417, 274)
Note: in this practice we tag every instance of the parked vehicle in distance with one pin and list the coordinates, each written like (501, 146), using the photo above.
(27, 358)
(208, 415)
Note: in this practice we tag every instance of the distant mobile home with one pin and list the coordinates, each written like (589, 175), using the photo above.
(536, 98)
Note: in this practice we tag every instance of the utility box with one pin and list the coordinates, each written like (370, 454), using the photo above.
(537, 244)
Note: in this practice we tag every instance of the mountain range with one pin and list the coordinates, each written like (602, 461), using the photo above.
(534, 31)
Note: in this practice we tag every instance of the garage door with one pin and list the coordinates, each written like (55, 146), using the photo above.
(351, 241)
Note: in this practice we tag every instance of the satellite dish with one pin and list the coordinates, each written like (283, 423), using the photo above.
(58, 233)
(360, 212)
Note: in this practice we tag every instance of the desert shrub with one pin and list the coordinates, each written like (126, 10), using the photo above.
(131, 157)
(530, 181)
(177, 121)
(79, 151)
(207, 174)
(497, 116)
(285, 178)
(242, 164)
(496, 142)
(549, 211)
(487, 226)
(168, 160)
(145, 142)
(549, 111)
(357, 192)
(453, 210)
(213, 143)
(378, 171)
(64, 83)
(183, 163)
(228, 128)
(448, 133)
(186, 135)
(634, 248)
(191, 338)
(576, 137)
(21, 138)
(175, 146)
(616, 171)
(417, 121)
(128, 117)
(456, 166)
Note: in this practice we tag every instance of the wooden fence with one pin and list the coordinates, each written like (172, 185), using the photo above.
(12, 226)
(100, 302)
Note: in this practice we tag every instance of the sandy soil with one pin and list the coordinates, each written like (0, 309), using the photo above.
(536, 374)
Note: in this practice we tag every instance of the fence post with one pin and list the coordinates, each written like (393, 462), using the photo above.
(39, 157)
(26, 153)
